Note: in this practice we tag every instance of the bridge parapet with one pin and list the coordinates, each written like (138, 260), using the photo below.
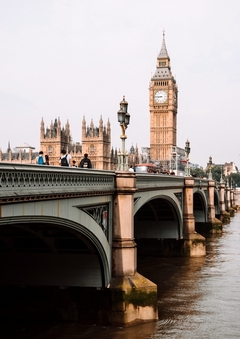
(200, 183)
(28, 181)
(156, 181)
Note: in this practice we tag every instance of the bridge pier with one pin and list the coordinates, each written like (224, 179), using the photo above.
(133, 297)
(215, 225)
(233, 201)
(224, 215)
(236, 192)
(230, 209)
(194, 244)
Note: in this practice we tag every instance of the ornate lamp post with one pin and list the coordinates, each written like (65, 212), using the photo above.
(123, 119)
(210, 168)
(187, 152)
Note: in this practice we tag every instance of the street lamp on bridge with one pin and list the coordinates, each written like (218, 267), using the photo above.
(210, 168)
(187, 152)
(123, 119)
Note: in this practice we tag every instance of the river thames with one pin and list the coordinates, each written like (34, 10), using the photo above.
(198, 298)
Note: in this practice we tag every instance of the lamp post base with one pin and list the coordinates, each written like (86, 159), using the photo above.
(122, 161)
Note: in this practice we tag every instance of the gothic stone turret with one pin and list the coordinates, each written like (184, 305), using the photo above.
(54, 139)
(96, 141)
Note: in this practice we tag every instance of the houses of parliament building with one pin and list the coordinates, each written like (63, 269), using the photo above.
(96, 140)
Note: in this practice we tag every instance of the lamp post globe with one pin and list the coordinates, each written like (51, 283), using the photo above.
(187, 152)
(210, 168)
(124, 120)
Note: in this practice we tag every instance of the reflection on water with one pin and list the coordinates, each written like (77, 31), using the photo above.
(197, 298)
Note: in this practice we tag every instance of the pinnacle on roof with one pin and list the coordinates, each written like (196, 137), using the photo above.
(163, 52)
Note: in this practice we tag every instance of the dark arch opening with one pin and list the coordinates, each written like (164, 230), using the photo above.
(200, 214)
(217, 204)
(49, 273)
(198, 208)
(49, 255)
(157, 228)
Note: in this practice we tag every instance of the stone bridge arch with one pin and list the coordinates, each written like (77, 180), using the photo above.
(160, 216)
(200, 207)
(53, 250)
(157, 223)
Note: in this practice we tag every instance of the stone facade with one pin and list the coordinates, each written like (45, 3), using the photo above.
(96, 141)
(227, 168)
(19, 156)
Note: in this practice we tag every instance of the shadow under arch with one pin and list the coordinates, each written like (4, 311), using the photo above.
(200, 207)
(43, 250)
(159, 217)
(158, 227)
(217, 203)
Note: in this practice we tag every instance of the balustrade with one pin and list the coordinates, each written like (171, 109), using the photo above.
(22, 180)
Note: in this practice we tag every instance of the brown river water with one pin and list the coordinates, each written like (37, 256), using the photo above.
(198, 298)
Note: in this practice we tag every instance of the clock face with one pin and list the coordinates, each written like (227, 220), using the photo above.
(160, 97)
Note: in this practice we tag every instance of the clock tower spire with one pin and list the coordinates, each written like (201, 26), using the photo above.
(163, 54)
(163, 110)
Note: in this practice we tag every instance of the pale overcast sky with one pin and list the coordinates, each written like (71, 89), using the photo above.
(75, 58)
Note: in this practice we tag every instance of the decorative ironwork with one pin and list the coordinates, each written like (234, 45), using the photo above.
(179, 197)
(28, 183)
(100, 215)
(39, 197)
(41, 179)
(136, 200)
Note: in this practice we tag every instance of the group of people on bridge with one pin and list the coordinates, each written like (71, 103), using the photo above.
(64, 160)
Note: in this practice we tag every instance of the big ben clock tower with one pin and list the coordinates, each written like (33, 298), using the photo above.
(163, 110)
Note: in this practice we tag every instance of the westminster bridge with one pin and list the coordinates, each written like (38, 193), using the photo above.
(81, 228)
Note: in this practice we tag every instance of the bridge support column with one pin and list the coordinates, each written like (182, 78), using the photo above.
(215, 224)
(236, 198)
(229, 207)
(194, 243)
(133, 297)
(233, 202)
(224, 215)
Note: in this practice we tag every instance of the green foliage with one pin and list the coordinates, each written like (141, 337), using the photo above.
(216, 173)
(197, 172)
(234, 178)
